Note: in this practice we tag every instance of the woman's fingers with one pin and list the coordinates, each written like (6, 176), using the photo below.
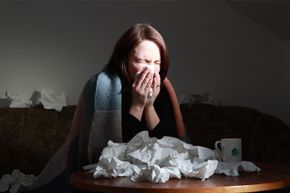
(146, 80)
(142, 83)
(140, 78)
(156, 81)
(155, 88)
(149, 90)
(143, 79)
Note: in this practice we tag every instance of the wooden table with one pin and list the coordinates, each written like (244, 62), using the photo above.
(272, 177)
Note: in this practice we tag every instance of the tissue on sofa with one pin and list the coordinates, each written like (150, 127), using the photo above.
(52, 100)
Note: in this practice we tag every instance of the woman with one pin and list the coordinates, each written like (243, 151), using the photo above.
(142, 51)
(129, 95)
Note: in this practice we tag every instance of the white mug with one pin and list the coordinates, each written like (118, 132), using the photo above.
(231, 149)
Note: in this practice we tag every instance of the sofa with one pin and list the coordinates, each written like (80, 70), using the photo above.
(30, 136)
(264, 137)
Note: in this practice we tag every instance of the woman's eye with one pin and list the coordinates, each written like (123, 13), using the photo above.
(140, 60)
(157, 62)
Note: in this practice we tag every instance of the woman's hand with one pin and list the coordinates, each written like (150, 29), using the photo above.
(140, 90)
(155, 88)
(151, 117)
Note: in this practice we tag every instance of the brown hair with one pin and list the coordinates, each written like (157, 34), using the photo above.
(128, 41)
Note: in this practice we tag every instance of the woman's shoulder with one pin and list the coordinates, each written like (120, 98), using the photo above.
(91, 82)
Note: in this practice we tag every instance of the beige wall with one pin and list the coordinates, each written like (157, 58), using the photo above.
(213, 48)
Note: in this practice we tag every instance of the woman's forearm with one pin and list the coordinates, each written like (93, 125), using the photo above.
(136, 111)
(151, 117)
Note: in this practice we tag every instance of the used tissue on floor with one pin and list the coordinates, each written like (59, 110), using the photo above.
(16, 181)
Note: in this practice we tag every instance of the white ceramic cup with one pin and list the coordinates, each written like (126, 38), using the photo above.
(230, 149)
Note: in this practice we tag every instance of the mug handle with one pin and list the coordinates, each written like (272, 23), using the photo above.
(216, 145)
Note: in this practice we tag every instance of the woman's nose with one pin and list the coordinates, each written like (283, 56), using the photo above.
(151, 67)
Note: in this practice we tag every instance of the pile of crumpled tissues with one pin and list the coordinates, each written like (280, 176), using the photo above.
(16, 181)
(158, 160)
(48, 98)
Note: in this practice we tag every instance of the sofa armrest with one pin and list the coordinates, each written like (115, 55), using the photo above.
(278, 148)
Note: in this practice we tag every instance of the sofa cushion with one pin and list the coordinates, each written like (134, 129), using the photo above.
(30, 136)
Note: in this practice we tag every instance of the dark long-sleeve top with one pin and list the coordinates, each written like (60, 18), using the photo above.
(131, 125)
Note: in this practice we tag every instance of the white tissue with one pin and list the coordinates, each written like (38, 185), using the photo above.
(233, 168)
(48, 98)
(150, 94)
(18, 100)
(158, 160)
(155, 160)
(51, 100)
(16, 180)
(151, 68)
(152, 71)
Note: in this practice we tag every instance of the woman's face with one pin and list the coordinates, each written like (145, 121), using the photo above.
(145, 54)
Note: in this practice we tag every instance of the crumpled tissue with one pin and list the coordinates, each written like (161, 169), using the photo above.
(155, 160)
(17, 100)
(15, 181)
(152, 71)
(52, 100)
(158, 160)
(48, 98)
(233, 168)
